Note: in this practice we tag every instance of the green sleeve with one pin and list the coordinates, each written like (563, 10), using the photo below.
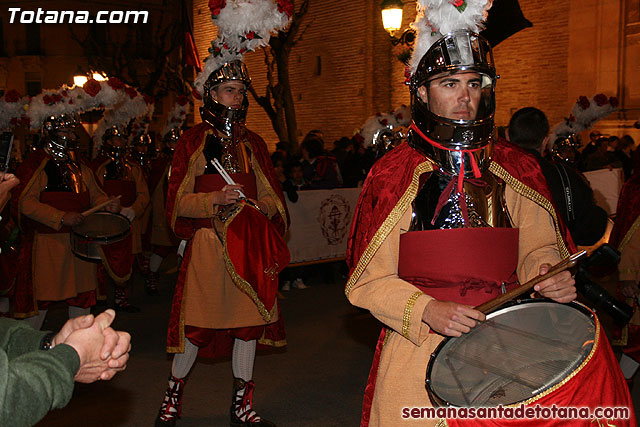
(32, 381)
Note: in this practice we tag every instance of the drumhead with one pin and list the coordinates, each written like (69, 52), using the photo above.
(518, 352)
(103, 227)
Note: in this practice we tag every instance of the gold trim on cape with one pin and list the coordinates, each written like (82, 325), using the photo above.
(114, 276)
(240, 283)
(629, 234)
(388, 224)
(534, 196)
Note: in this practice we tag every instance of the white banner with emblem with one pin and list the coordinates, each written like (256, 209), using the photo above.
(320, 224)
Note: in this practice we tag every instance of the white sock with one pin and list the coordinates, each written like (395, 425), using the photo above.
(182, 362)
(244, 354)
(628, 366)
(37, 320)
(78, 311)
(154, 262)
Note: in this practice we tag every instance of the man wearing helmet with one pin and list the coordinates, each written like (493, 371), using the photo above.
(216, 310)
(407, 265)
(55, 187)
(119, 176)
(162, 239)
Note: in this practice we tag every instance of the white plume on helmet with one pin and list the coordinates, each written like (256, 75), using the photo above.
(243, 26)
(436, 18)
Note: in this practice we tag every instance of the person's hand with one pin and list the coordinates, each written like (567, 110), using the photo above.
(560, 288)
(80, 322)
(7, 183)
(129, 213)
(450, 318)
(114, 205)
(72, 218)
(629, 288)
(115, 351)
(102, 351)
(229, 194)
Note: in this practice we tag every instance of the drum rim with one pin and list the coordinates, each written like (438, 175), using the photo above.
(440, 402)
(115, 237)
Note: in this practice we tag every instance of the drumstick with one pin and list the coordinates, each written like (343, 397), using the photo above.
(559, 267)
(227, 178)
(98, 207)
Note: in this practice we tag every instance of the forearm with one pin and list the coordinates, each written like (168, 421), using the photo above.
(36, 382)
(393, 301)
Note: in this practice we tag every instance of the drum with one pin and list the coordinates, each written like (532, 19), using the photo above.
(520, 351)
(99, 228)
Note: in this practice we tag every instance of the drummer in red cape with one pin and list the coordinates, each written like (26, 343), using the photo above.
(55, 187)
(225, 299)
(119, 176)
(446, 221)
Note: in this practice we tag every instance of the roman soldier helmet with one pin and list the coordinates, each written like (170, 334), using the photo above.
(116, 152)
(60, 136)
(446, 140)
(171, 139)
(565, 148)
(219, 115)
(141, 146)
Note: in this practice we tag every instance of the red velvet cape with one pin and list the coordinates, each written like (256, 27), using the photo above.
(188, 149)
(404, 167)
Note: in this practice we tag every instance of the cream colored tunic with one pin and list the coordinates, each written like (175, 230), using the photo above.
(57, 273)
(403, 361)
(139, 205)
(211, 298)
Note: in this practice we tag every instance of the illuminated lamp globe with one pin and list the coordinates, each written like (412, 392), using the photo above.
(391, 15)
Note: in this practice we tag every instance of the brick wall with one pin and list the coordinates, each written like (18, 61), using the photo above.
(361, 76)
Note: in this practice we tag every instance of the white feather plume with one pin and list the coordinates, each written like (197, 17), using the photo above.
(436, 18)
(243, 26)
(584, 114)
(176, 118)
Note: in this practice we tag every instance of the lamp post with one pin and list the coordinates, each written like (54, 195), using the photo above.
(392, 22)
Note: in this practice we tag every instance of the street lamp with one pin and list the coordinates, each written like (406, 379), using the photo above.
(392, 22)
(391, 15)
(81, 79)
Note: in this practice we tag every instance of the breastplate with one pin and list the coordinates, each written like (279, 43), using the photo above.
(118, 170)
(231, 154)
(64, 177)
(485, 204)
